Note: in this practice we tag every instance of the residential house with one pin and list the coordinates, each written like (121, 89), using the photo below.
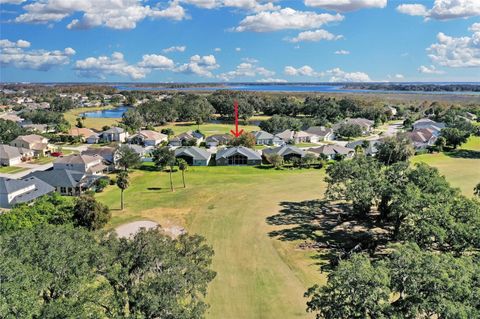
(423, 138)
(10, 155)
(287, 152)
(80, 163)
(108, 154)
(238, 155)
(39, 128)
(265, 138)
(25, 190)
(83, 133)
(297, 137)
(114, 134)
(36, 143)
(369, 146)
(366, 125)
(425, 123)
(11, 117)
(193, 155)
(187, 138)
(93, 139)
(322, 133)
(148, 138)
(217, 140)
(67, 182)
(332, 151)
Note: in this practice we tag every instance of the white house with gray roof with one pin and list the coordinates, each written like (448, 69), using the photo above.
(26, 190)
(67, 182)
(193, 155)
(80, 163)
(11, 155)
(265, 138)
(287, 152)
(238, 155)
(114, 134)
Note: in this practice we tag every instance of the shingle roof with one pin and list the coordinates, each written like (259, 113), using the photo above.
(331, 150)
(31, 138)
(8, 186)
(77, 159)
(319, 130)
(152, 135)
(65, 178)
(249, 153)
(220, 138)
(192, 151)
(9, 152)
(262, 135)
(114, 130)
(283, 150)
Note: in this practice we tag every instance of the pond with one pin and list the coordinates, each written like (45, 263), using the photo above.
(116, 112)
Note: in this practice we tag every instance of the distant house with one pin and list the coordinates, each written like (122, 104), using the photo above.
(93, 139)
(370, 147)
(423, 138)
(186, 138)
(323, 133)
(392, 110)
(289, 136)
(470, 116)
(67, 182)
(36, 143)
(83, 133)
(365, 125)
(114, 134)
(287, 152)
(425, 123)
(148, 138)
(217, 140)
(332, 151)
(25, 190)
(39, 128)
(108, 154)
(238, 155)
(193, 155)
(80, 163)
(265, 138)
(11, 117)
(11, 155)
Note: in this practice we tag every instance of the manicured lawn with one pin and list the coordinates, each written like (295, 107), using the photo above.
(92, 123)
(43, 160)
(11, 169)
(207, 128)
(258, 276)
(461, 167)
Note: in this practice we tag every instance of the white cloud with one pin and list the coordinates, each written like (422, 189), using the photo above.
(251, 5)
(246, 70)
(443, 9)
(175, 49)
(429, 70)
(14, 54)
(104, 66)
(346, 5)
(413, 9)
(457, 52)
(272, 80)
(338, 75)
(250, 60)
(342, 52)
(217, 49)
(305, 70)
(199, 65)
(12, 1)
(116, 14)
(238, 49)
(286, 18)
(397, 76)
(314, 36)
(154, 61)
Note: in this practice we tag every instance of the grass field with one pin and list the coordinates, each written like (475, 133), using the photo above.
(461, 167)
(207, 128)
(11, 169)
(92, 123)
(258, 276)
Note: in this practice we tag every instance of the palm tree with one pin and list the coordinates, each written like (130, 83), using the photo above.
(164, 157)
(183, 166)
(122, 183)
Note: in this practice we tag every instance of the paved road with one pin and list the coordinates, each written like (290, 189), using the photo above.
(29, 168)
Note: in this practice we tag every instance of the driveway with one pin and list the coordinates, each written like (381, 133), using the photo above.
(29, 169)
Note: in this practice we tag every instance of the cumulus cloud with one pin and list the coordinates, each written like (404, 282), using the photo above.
(457, 52)
(272, 80)
(217, 49)
(116, 14)
(12, 1)
(314, 36)
(175, 49)
(305, 70)
(338, 75)
(251, 5)
(246, 70)
(286, 18)
(346, 5)
(104, 66)
(199, 65)
(14, 54)
(155, 61)
(443, 9)
(342, 52)
(429, 70)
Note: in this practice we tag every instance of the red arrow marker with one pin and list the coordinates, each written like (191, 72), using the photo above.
(236, 133)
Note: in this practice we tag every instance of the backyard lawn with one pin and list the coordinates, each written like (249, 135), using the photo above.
(207, 128)
(11, 169)
(460, 167)
(257, 276)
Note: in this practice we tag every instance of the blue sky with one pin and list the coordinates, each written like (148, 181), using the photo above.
(239, 40)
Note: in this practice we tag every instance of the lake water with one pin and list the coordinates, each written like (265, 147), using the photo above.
(111, 113)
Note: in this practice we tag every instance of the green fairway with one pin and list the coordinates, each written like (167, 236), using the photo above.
(257, 276)
(207, 128)
(461, 167)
